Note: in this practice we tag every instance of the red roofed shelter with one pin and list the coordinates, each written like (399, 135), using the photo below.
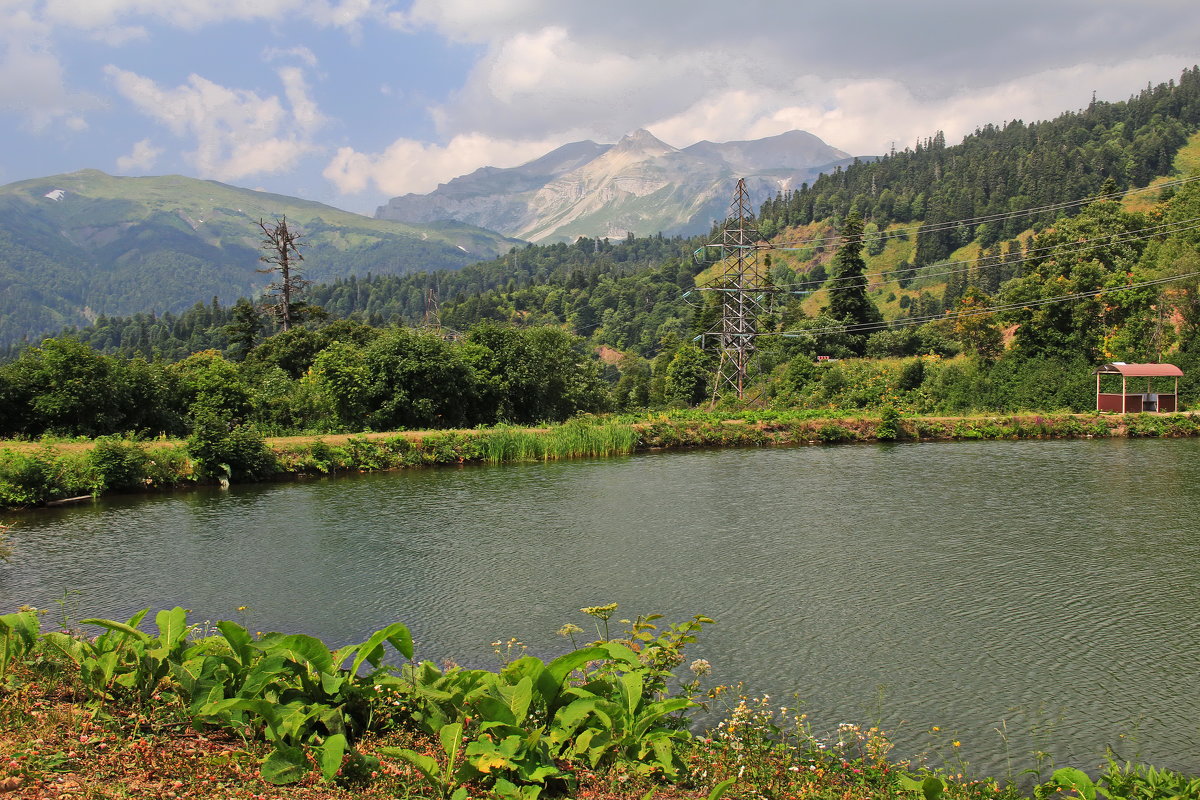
(1128, 402)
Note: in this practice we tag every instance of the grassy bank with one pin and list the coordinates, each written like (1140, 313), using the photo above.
(175, 709)
(45, 472)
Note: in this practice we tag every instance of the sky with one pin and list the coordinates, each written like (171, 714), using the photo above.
(351, 102)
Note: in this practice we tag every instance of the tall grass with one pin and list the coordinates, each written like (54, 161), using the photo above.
(574, 439)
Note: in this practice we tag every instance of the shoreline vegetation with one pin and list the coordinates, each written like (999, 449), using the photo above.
(201, 710)
(44, 472)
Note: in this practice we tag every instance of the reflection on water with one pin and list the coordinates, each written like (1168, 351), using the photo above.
(1048, 585)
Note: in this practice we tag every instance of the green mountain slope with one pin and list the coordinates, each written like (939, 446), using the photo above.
(75, 246)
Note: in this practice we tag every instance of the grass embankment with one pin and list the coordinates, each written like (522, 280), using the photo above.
(32, 473)
(185, 712)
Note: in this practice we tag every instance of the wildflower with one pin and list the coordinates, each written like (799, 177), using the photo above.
(241, 608)
(600, 612)
(569, 629)
(700, 667)
(936, 729)
(956, 743)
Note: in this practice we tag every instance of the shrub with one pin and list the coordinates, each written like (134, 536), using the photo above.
(830, 432)
(220, 448)
(25, 479)
(888, 428)
(118, 464)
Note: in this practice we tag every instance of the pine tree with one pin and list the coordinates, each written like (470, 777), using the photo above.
(848, 301)
(244, 330)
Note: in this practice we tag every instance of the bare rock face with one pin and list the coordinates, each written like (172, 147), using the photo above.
(639, 185)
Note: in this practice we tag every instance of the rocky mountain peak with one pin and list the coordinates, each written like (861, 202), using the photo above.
(640, 184)
(642, 142)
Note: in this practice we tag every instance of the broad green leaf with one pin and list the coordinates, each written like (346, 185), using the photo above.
(332, 684)
(424, 764)
(285, 765)
(494, 711)
(120, 627)
(172, 626)
(301, 649)
(238, 639)
(69, 646)
(451, 738)
(721, 788)
(24, 624)
(932, 788)
(519, 699)
(564, 665)
(330, 758)
(1071, 778)
(262, 675)
(631, 690)
(492, 759)
(187, 672)
(397, 634)
(619, 652)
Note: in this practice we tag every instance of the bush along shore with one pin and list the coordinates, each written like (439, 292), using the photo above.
(33, 473)
(174, 709)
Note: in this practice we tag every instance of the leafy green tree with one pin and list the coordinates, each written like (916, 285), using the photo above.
(978, 333)
(210, 383)
(415, 380)
(533, 375)
(63, 386)
(1098, 249)
(689, 376)
(293, 350)
(342, 373)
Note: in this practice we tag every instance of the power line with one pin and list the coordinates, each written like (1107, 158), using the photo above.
(865, 327)
(1006, 215)
(1099, 241)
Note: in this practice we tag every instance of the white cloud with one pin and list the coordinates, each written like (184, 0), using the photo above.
(237, 132)
(142, 159)
(857, 73)
(33, 83)
(864, 117)
(32, 80)
(411, 166)
(300, 52)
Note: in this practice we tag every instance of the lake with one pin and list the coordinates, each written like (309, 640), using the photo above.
(1049, 589)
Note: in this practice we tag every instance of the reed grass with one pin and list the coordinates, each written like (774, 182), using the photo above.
(574, 439)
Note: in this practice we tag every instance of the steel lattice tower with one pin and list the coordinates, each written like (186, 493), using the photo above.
(739, 289)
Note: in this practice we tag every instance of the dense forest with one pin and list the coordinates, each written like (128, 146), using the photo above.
(1030, 213)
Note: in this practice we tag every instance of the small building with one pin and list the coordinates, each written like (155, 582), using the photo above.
(1130, 400)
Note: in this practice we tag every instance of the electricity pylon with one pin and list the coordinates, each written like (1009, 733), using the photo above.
(740, 288)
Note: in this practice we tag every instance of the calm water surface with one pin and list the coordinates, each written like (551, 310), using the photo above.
(1050, 588)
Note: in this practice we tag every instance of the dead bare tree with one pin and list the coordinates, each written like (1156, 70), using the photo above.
(282, 253)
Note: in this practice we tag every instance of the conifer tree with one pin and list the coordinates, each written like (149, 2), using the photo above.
(848, 301)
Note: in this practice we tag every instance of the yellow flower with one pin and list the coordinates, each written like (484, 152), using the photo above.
(956, 743)
(936, 729)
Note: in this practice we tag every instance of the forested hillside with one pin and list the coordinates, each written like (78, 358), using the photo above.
(1004, 168)
(1107, 273)
(76, 246)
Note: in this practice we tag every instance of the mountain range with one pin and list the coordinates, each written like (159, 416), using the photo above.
(639, 185)
(79, 245)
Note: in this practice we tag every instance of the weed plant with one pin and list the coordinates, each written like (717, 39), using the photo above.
(215, 711)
